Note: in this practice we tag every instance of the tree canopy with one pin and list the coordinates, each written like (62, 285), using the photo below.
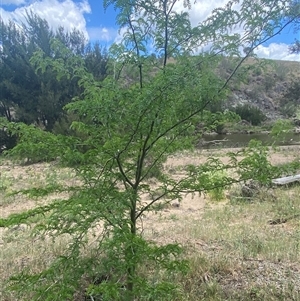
(39, 98)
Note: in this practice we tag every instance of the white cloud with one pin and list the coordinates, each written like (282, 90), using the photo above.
(71, 15)
(200, 10)
(276, 52)
(119, 36)
(58, 13)
(102, 34)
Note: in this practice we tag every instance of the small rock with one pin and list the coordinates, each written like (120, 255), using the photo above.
(296, 121)
(250, 189)
(297, 130)
(175, 205)
(18, 228)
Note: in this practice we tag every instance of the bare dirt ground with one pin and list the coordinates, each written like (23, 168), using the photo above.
(192, 206)
(18, 177)
(245, 254)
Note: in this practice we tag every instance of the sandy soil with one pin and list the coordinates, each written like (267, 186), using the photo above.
(19, 177)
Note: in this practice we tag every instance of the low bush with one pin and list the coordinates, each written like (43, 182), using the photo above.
(290, 101)
(251, 114)
(7, 140)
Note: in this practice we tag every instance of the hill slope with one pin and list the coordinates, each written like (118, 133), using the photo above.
(264, 86)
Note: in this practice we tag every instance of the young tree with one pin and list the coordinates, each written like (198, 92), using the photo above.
(129, 125)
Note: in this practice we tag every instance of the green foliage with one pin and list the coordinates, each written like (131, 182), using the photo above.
(269, 82)
(217, 179)
(28, 136)
(295, 48)
(281, 71)
(280, 128)
(251, 114)
(255, 164)
(291, 100)
(219, 119)
(26, 96)
(126, 127)
(38, 98)
(7, 141)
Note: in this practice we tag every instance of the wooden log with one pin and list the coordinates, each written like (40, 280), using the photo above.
(286, 180)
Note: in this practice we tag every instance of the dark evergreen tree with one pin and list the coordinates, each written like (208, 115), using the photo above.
(33, 97)
(19, 84)
(96, 60)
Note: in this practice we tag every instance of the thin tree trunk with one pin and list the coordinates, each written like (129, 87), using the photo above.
(130, 256)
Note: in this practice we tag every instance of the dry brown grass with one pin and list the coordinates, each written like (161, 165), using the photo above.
(236, 252)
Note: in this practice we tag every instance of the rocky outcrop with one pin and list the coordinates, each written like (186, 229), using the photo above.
(262, 102)
(264, 87)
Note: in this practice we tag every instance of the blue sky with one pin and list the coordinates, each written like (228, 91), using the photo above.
(89, 17)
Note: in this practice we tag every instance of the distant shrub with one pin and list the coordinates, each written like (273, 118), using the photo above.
(288, 108)
(251, 114)
(291, 99)
(269, 82)
(217, 180)
(280, 128)
(226, 66)
(7, 140)
(281, 71)
(63, 125)
(220, 128)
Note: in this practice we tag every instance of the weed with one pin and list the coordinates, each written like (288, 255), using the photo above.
(174, 217)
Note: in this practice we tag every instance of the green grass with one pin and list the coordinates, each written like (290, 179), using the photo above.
(244, 257)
